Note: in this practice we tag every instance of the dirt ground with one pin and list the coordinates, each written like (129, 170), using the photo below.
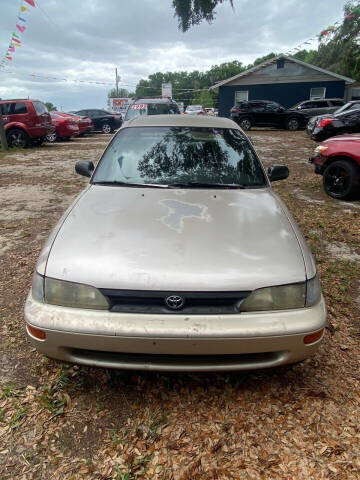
(60, 421)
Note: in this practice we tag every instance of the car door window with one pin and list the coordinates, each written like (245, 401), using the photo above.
(19, 108)
(257, 107)
(337, 103)
(5, 108)
(272, 107)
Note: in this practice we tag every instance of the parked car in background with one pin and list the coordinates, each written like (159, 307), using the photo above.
(310, 108)
(84, 123)
(331, 125)
(264, 113)
(177, 256)
(26, 122)
(65, 128)
(353, 105)
(216, 112)
(338, 161)
(104, 121)
(151, 106)
(195, 110)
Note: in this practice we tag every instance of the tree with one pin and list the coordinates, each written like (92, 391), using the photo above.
(50, 106)
(193, 12)
(121, 93)
(204, 98)
(339, 46)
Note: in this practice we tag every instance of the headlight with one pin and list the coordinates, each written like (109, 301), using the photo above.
(37, 287)
(68, 294)
(283, 297)
(320, 150)
(313, 291)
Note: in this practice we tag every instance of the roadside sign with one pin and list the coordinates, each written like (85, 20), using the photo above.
(166, 89)
(119, 105)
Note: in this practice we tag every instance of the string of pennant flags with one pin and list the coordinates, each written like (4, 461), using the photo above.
(20, 27)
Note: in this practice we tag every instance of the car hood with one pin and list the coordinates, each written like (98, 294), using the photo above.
(177, 240)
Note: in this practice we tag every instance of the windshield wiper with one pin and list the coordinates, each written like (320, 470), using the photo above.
(207, 185)
(128, 184)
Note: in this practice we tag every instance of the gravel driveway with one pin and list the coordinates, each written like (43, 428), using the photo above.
(60, 421)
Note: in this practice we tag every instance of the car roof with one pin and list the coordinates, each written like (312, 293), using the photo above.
(180, 121)
(19, 100)
(153, 100)
(325, 99)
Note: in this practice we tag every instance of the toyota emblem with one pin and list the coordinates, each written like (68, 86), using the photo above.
(174, 302)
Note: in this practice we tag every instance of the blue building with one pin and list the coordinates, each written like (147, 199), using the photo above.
(283, 79)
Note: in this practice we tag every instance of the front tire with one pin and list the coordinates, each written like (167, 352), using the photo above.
(245, 124)
(341, 180)
(18, 138)
(52, 137)
(292, 124)
(106, 128)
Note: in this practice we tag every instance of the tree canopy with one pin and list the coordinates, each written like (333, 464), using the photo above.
(193, 12)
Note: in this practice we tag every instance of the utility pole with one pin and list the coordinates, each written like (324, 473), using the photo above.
(117, 83)
(4, 143)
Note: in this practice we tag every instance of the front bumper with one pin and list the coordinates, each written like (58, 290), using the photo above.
(175, 342)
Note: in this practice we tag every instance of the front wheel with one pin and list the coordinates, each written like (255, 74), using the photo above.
(292, 124)
(245, 124)
(18, 138)
(106, 128)
(341, 180)
(52, 137)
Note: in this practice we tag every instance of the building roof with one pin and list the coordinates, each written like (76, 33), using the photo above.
(180, 120)
(285, 57)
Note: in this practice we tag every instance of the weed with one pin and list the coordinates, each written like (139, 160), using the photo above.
(51, 402)
(18, 415)
(2, 414)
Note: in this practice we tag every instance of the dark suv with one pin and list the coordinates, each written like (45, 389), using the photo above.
(310, 108)
(151, 106)
(105, 121)
(265, 113)
(26, 122)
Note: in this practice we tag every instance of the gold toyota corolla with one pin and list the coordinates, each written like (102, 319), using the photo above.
(177, 256)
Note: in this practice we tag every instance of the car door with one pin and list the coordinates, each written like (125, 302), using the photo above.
(351, 121)
(334, 105)
(314, 107)
(5, 110)
(257, 110)
(272, 114)
(19, 113)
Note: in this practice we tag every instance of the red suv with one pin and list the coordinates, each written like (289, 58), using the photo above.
(338, 161)
(26, 122)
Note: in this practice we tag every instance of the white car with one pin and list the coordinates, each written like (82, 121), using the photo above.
(195, 110)
(178, 255)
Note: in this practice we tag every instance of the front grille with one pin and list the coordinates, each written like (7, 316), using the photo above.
(195, 303)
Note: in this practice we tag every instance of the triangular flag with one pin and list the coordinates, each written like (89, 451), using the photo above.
(24, 9)
(15, 40)
(22, 19)
(14, 35)
(20, 28)
(30, 2)
(11, 49)
(8, 58)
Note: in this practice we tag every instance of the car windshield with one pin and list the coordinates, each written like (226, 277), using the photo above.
(182, 156)
(40, 107)
(347, 106)
(141, 109)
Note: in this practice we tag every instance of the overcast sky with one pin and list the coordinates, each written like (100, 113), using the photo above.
(87, 39)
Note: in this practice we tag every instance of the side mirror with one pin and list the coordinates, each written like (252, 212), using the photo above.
(278, 172)
(84, 167)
